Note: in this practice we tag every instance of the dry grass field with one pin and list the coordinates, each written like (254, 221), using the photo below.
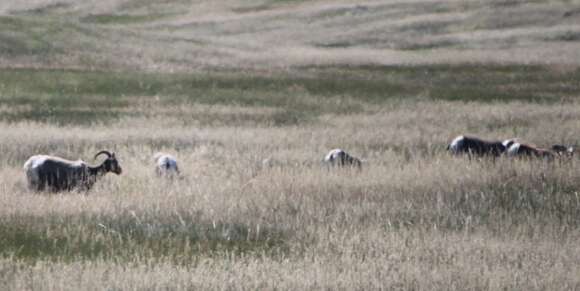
(223, 85)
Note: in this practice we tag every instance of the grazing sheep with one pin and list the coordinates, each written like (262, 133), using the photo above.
(563, 150)
(340, 158)
(56, 174)
(165, 165)
(478, 147)
(525, 150)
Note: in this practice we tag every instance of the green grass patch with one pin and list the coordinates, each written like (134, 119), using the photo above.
(48, 9)
(84, 97)
(153, 5)
(62, 116)
(23, 36)
(122, 18)
(128, 237)
(572, 36)
(252, 8)
(481, 83)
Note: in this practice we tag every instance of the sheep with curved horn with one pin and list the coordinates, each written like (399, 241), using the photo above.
(56, 174)
(340, 158)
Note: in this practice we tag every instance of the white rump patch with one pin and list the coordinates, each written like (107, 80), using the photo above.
(514, 149)
(333, 155)
(508, 143)
(34, 162)
(165, 162)
(457, 144)
(31, 168)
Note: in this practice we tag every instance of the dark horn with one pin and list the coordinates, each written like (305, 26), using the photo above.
(103, 152)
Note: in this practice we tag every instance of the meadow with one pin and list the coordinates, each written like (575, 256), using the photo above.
(224, 85)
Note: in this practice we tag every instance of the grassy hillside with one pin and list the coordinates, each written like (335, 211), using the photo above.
(224, 85)
(188, 35)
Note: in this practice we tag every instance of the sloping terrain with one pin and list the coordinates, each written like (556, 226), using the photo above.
(250, 95)
(191, 35)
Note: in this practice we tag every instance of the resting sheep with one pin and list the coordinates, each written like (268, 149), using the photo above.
(56, 174)
(165, 165)
(525, 150)
(518, 149)
(478, 147)
(340, 158)
(563, 150)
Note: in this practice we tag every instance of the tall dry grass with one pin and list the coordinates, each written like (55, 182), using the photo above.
(231, 83)
(414, 218)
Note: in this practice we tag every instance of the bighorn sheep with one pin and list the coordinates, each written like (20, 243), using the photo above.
(165, 165)
(563, 150)
(338, 157)
(478, 147)
(518, 149)
(526, 150)
(56, 174)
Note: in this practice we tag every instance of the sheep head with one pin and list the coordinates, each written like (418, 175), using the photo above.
(110, 164)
